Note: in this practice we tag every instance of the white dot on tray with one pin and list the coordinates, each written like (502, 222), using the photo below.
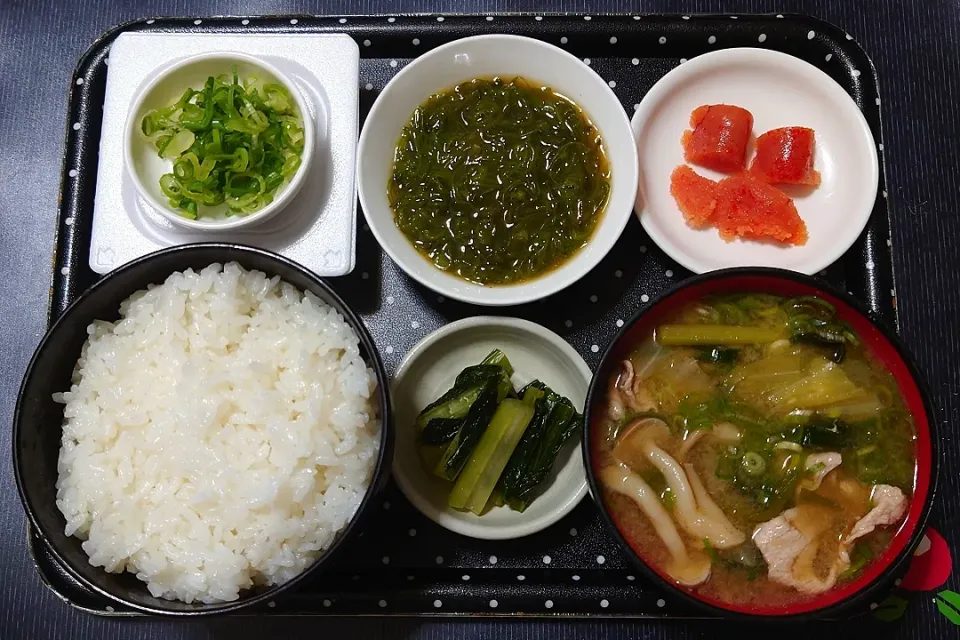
(644, 298)
(643, 248)
(618, 273)
(548, 604)
(465, 577)
(385, 560)
(151, 21)
(576, 578)
(489, 18)
(271, 604)
(538, 18)
(619, 322)
(568, 323)
(493, 559)
(873, 605)
(72, 173)
(391, 19)
(682, 60)
(64, 270)
(367, 43)
(327, 603)
(547, 560)
(586, 61)
(593, 298)
(294, 21)
(198, 21)
(712, 39)
(588, 18)
(414, 325)
(877, 101)
(521, 577)
(668, 273)
(416, 41)
(365, 275)
(386, 504)
(661, 603)
(244, 22)
(382, 603)
(393, 63)
(493, 604)
(437, 604)
(79, 80)
(849, 37)
(563, 40)
(573, 531)
(76, 126)
(389, 349)
(870, 264)
(880, 146)
(109, 608)
(68, 221)
(613, 39)
(343, 21)
(439, 559)
(594, 348)
(439, 18)
(685, 17)
(604, 603)
(412, 532)
(635, 61)
(601, 559)
(390, 299)
(636, 106)
(762, 37)
(663, 40)
(829, 57)
(631, 578)
(811, 35)
(613, 84)
(368, 86)
(856, 73)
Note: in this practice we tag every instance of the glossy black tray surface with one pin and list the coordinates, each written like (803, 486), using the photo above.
(404, 564)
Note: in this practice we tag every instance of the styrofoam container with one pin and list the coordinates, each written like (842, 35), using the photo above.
(316, 228)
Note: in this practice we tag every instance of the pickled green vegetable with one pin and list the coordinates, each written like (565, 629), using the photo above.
(233, 142)
(498, 181)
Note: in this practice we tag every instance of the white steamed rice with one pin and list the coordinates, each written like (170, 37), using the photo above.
(218, 436)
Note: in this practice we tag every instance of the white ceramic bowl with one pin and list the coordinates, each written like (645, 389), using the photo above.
(779, 90)
(144, 165)
(485, 56)
(429, 369)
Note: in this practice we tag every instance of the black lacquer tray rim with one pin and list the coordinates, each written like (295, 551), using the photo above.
(61, 293)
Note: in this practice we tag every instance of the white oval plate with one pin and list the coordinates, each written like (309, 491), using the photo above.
(430, 368)
(779, 90)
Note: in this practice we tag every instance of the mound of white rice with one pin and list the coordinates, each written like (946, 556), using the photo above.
(218, 436)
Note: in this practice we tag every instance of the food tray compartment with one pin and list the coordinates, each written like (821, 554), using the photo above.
(404, 564)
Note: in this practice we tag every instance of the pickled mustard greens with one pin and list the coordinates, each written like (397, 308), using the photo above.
(495, 444)
(498, 181)
(232, 142)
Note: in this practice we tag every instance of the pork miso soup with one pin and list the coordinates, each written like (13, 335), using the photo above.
(753, 450)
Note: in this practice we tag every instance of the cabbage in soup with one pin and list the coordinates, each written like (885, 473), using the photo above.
(754, 451)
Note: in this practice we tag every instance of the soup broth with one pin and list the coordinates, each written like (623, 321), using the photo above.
(754, 451)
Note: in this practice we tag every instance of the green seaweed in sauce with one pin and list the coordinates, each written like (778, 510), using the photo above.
(498, 181)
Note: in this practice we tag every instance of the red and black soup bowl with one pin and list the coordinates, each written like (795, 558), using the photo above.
(887, 351)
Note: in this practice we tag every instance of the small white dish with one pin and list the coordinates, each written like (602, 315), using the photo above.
(779, 90)
(317, 228)
(507, 56)
(145, 166)
(429, 369)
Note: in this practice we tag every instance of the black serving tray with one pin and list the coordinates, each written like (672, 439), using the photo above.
(404, 564)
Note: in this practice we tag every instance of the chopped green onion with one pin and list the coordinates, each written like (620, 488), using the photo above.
(233, 141)
(753, 463)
